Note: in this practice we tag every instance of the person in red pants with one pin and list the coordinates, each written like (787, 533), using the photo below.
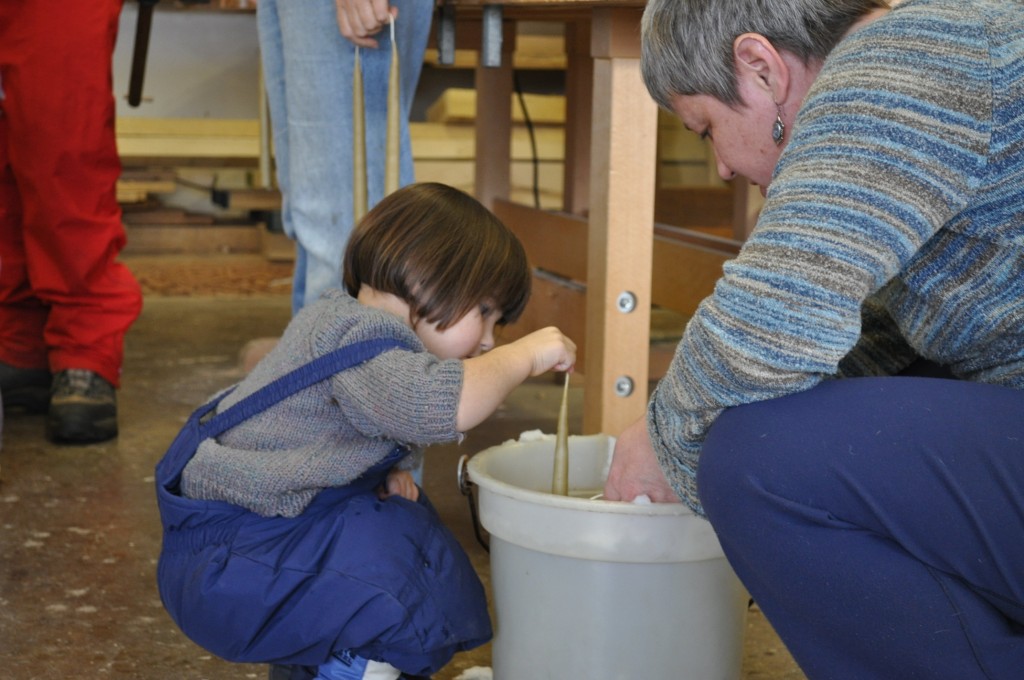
(65, 301)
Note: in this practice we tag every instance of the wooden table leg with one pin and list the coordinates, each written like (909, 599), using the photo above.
(620, 238)
(579, 93)
(492, 174)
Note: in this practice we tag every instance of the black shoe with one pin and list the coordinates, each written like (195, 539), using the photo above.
(83, 408)
(25, 389)
(292, 672)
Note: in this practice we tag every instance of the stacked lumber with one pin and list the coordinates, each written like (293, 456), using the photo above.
(137, 184)
(444, 150)
(188, 141)
(154, 229)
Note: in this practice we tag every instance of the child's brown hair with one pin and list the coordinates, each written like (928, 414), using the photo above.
(441, 251)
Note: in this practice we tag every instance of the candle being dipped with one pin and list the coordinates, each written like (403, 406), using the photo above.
(391, 173)
(359, 199)
(560, 478)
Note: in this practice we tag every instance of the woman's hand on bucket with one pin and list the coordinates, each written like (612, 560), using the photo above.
(635, 470)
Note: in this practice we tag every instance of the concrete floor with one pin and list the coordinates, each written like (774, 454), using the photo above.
(79, 531)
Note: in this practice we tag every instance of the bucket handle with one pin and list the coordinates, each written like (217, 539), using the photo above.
(466, 487)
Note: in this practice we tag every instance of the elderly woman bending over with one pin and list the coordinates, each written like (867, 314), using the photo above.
(847, 407)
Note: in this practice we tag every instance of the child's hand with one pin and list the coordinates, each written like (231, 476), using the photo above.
(399, 483)
(492, 376)
(550, 350)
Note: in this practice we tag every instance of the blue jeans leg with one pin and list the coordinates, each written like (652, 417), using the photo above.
(879, 524)
(308, 75)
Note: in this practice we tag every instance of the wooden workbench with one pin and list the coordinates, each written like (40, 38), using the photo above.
(605, 236)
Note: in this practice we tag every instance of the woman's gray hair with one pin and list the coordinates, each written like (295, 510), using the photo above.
(687, 45)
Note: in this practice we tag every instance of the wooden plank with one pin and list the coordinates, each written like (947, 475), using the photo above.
(135, 218)
(175, 140)
(493, 127)
(136, 126)
(132, 192)
(615, 32)
(554, 301)
(436, 141)
(460, 173)
(579, 90)
(248, 199)
(276, 246)
(160, 148)
(200, 239)
(555, 242)
(144, 140)
(695, 207)
(685, 263)
(136, 184)
(746, 207)
(171, 139)
(684, 273)
(147, 175)
(458, 105)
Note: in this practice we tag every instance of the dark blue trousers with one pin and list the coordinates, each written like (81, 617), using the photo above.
(879, 524)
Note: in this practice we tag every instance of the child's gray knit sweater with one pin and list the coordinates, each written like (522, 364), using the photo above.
(329, 434)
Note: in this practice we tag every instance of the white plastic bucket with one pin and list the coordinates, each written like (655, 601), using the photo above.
(597, 590)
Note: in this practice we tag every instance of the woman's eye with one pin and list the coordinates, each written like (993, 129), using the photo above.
(485, 310)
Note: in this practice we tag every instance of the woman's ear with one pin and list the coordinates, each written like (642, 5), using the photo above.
(760, 65)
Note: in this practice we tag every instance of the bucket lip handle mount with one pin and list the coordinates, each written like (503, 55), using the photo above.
(462, 475)
(466, 487)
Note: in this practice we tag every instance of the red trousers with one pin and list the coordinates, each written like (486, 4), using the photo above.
(65, 301)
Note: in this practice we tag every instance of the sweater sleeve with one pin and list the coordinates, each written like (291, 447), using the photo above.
(881, 348)
(408, 397)
(887, 148)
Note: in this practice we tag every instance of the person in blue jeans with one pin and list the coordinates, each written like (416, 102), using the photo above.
(294, 533)
(847, 406)
(308, 51)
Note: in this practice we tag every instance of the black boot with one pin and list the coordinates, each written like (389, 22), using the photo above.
(83, 408)
(25, 389)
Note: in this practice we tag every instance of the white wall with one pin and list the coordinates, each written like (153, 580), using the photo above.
(201, 64)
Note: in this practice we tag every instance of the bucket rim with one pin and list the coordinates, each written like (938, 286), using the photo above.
(477, 475)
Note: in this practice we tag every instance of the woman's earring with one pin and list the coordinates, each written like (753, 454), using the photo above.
(779, 128)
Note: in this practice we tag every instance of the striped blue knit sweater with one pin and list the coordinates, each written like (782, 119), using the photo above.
(899, 203)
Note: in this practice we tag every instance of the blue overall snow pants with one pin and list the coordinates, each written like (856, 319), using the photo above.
(382, 579)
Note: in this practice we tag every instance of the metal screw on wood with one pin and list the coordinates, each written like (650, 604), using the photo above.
(626, 302)
(623, 386)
